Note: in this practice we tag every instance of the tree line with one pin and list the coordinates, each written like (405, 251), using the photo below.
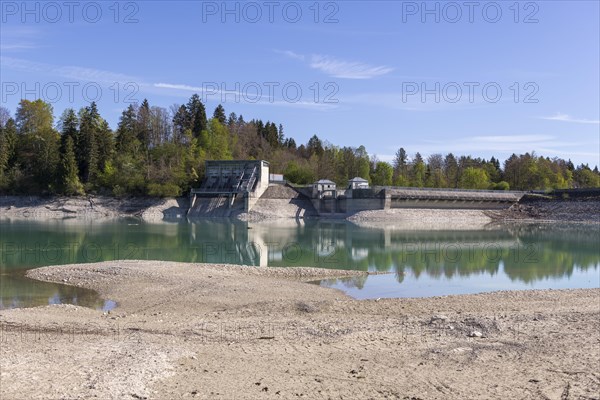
(161, 152)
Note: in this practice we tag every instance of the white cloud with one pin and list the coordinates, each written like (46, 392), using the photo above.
(347, 69)
(19, 38)
(293, 55)
(568, 118)
(340, 68)
(69, 72)
(208, 93)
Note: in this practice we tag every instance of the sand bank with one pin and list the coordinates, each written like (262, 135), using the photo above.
(219, 331)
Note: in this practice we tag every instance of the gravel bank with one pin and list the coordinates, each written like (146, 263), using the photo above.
(218, 331)
(33, 207)
(538, 208)
(422, 219)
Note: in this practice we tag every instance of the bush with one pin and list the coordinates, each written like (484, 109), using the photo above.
(503, 185)
(298, 174)
(164, 190)
(118, 191)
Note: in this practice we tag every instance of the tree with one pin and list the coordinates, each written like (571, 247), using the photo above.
(219, 115)
(33, 117)
(68, 175)
(87, 146)
(418, 171)
(37, 146)
(474, 178)
(126, 137)
(197, 114)
(8, 144)
(383, 174)
(451, 170)
(401, 168)
(182, 131)
(436, 177)
(315, 146)
(69, 126)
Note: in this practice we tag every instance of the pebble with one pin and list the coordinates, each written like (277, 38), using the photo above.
(476, 334)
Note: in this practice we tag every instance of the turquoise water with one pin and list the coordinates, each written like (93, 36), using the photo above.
(420, 263)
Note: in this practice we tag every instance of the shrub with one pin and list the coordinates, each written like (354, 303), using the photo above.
(502, 185)
(164, 190)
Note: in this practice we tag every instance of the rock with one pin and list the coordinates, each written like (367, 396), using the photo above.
(476, 334)
(438, 318)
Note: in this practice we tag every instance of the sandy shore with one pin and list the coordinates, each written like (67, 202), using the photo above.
(218, 331)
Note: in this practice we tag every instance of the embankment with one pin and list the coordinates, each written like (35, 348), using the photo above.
(35, 207)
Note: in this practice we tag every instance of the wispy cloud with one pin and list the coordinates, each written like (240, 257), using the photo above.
(223, 96)
(340, 68)
(69, 72)
(19, 38)
(16, 46)
(568, 118)
(291, 54)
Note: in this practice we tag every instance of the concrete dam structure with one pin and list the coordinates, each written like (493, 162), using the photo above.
(350, 201)
(232, 187)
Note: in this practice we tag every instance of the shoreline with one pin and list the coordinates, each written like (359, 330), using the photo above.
(531, 210)
(223, 331)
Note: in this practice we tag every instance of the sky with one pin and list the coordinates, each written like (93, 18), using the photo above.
(467, 77)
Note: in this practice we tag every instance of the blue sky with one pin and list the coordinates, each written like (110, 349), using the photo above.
(491, 78)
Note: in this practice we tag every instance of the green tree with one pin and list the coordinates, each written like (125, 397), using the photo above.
(401, 168)
(418, 171)
(383, 174)
(33, 117)
(474, 178)
(219, 115)
(8, 143)
(68, 175)
(37, 147)
(197, 114)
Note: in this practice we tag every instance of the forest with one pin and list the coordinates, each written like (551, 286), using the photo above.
(155, 151)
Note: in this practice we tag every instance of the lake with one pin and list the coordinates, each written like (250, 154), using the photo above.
(420, 263)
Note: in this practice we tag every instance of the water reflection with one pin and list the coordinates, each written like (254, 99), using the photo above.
(477, 259)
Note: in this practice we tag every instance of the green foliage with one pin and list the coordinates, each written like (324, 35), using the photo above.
(502, 185)
(418, 171)
(33, 116)
(68, 177)
(164, 190)
(301, 175)
(383, 174)
(474, 178)
(219, 115)
(158, 152)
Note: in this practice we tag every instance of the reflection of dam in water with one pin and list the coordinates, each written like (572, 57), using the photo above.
(524, 254)
(495, 257)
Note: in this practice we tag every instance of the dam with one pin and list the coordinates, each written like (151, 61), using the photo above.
(230, 187)
(233, 187)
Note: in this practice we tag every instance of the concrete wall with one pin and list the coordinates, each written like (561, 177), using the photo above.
(262, 185)
(448, 204)
(346, 205)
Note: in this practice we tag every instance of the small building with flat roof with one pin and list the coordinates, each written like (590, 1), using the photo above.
(358, 183)
(324, 188)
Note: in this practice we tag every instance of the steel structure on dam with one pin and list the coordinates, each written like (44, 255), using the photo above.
(229, 186)
(450, 198)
